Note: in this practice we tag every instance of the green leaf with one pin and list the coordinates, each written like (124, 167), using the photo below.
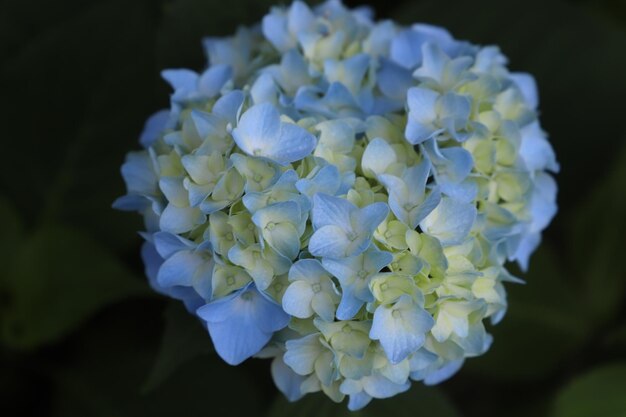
(11, 235)
(103, 376)
(184, 338)
(419, 401)
(598, 393)
(89, 107)
(597, 239)
(56, 281)
(616, 339)
(542, 329)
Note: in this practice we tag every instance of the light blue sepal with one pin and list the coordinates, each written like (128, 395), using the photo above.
(139, 174)
(187, 269)
(440, 72)
(153, 261)
(358, 400)
(168, 244)
(180, 219)
(264, 90)
(261, 133)
(228, 106)
(242, 323)
(401, 328)
(443, 373)
(337, 101)
(422, 115)
(407, 195)
(378, 156)
(275, 30)
(281, 226)
(342, 229)
(311, 291)
(283, 190)
(450, 222)
(452, 165)
(286, 380)
(213, 79)
(393, 80)
(154, 128)
(326, 180)
(183, 81)
(354, 274)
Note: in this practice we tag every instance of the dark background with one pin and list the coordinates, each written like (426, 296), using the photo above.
(81, 334)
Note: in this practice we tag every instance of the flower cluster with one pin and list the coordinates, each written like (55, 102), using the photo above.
(341, 195)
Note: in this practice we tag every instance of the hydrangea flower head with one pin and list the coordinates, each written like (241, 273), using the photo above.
(341, 195)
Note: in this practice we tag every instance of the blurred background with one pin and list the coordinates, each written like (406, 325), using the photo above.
(82, 335)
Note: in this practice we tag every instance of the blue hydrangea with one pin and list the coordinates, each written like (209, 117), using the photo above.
(342, 195)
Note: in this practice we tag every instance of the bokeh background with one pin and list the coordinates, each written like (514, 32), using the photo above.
(82, 335)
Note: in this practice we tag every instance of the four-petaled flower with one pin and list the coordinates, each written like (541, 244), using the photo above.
(341, 228)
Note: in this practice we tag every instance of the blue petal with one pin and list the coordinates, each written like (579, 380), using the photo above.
(237, 339)
(337, 101)
(206, 124)
(393, 80)
(152, 262)
(378, 386)
(406, 48)
(329, 241)
(180, 219)
(329, 210)
(349, 305)
(275, 30)
(181, 79)
(240, 325)
(401, 329)
(444, 372)
(358, 401)
(543, 201)
(293, 143)
(168, 244)
(261, 133)
(264, 90)
(369, 217)
(285, 211)
(377, 157)
(131, 203)
(154, 127)
(375, 260)
(257, 128)
(459, 163)
(302, 353)
(300, 17)
(450, 222)
(286, 380)
(527, 85)
(139, 175)
(535, 149)
(434, 61)
(228, 106)
(426, 207)
(179, 269)
(213, 79)
(422, 114)
(525, 248)
(456, 162)
(327, 181)
(297, 299)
